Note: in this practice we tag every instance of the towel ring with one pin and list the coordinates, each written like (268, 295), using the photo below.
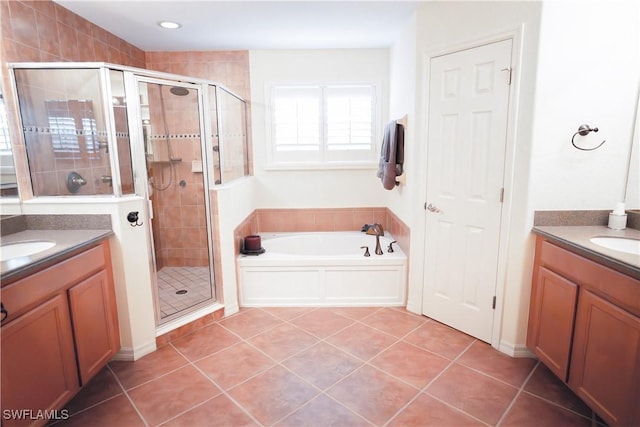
(585, 130)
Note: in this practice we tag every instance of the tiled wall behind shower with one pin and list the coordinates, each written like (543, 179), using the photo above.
(229, 68)
(232, 70)
(43, 31)
(177, 183)
(65, 131)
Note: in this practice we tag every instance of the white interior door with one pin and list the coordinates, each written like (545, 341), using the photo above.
(468, 106)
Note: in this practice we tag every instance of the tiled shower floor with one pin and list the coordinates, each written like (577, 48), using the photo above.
(194, 280)
(322, 366)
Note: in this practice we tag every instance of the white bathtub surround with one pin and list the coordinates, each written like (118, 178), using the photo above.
(323, 269)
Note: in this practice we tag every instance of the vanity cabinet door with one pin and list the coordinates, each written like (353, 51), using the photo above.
(38, 365)
(95, 323)
(551, 317)
(605, 365)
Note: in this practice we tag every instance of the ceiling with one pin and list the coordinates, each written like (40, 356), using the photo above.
(240, 25)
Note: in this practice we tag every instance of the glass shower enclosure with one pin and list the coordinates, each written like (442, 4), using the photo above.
(102, 130)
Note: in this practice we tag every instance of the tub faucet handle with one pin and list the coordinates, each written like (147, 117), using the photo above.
(366, 250)
(390, 248)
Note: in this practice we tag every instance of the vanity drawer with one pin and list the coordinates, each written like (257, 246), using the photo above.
(26, 293)
(616, 287)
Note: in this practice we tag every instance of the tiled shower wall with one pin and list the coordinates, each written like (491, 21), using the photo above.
(179, 225)
(43, 31)
(53, 97)
(230, 69)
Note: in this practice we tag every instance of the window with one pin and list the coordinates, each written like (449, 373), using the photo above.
(66, 135)
(322, 125)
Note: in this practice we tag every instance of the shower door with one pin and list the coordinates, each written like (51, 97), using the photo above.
(172, 129)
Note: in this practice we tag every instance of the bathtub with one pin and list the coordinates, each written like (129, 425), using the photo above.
(323, 269)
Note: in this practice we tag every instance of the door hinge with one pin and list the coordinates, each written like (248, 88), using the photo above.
(502, 195)
(493, 306)
(510, 71)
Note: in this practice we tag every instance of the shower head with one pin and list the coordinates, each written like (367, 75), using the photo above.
(179, 91)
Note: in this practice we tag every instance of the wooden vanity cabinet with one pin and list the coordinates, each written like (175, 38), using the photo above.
(38, 361)
(95, 325)
(584, 325)
(605, 365)
(61, 329)
(553, 308)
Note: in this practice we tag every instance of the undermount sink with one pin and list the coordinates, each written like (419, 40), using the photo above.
(21, 249)
(622, 244)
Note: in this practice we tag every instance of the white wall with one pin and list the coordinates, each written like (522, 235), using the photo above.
(402, 101)
(405, 200)
(235, 202)
(10, 206)
(131, 265)
(588, 72)
(313, 188)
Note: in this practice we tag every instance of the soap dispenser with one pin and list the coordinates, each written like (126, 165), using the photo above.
(618, 218)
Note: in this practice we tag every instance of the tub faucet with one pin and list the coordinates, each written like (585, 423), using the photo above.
(373, 229)
(377, 230)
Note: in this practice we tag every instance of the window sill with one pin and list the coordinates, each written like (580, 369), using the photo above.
(321, 166)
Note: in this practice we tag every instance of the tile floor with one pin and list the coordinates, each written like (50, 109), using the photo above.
(327, 367)
(195, 280)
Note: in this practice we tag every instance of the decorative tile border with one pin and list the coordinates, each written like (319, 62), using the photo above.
(176, 136)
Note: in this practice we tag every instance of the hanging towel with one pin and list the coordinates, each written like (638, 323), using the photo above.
(391, 155)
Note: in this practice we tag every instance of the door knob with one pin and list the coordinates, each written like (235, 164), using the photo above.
(432, 208)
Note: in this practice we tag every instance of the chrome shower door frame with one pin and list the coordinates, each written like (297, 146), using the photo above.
(132, 81)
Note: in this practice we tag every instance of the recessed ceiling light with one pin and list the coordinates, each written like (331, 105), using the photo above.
(169, 25)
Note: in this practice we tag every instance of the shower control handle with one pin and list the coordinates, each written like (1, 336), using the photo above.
(390, 248)
(366, 250)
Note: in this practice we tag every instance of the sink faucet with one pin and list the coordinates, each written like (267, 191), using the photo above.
(377, 230)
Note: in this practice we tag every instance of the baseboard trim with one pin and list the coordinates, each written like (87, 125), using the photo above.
(515, 350)
(231, 309)
(414, 308)
(129, 354)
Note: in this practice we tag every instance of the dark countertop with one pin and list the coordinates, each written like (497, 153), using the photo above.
(577, 238)
(67, 243)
